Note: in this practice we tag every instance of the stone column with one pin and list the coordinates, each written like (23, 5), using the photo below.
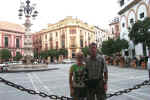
(28, 48)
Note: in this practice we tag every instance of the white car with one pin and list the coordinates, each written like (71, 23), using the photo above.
(3, 67)
(35, 62)
(68, 61)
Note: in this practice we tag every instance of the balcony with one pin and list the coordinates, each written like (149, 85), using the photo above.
(72, 46)
(127, 5)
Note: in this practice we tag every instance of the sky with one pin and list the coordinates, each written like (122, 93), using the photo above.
(94, 12)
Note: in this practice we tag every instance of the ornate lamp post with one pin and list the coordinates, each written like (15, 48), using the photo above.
(28, 12)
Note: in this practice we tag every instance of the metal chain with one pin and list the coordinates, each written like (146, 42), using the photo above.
(146, 82)
(42, 94)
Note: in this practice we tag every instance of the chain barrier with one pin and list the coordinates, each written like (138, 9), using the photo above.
(33, 92)
(55, 97)
(146, 82)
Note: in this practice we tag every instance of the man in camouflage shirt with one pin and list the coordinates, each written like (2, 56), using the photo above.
(97, 74)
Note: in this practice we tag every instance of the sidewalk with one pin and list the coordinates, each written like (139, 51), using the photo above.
(29, 69)
(137, 67)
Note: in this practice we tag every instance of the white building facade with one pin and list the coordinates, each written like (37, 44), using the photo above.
(130, 12)
(100, 36)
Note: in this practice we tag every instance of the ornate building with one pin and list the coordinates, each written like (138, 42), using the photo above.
(12, 37)
(69, 33)
(130, 12)
(114, 27)
(37, 42)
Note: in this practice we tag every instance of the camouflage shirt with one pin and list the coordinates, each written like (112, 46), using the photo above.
(79, 75)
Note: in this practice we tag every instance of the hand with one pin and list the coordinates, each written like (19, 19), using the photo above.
(105, 87)
(71, 92)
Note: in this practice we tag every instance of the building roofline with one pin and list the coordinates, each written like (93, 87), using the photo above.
(11, 31)
(128, 6)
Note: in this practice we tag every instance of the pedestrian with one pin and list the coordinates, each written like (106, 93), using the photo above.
(97, 75)
(77, 77)
(148, 66)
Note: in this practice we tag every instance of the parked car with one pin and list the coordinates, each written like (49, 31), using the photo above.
(3, 67)
(68, 61)
(35, 62)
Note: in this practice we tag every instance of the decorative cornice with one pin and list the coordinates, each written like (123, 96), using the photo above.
(113, 23)
(67, 26)
(128, 6)
(11, 31)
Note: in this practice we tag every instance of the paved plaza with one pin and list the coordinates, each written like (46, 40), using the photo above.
(56, 82)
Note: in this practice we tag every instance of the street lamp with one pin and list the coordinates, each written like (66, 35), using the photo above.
(28, 12)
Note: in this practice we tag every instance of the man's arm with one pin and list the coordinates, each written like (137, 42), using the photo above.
(105, 72)
(70, 78)
(71, 81)
(105, 77)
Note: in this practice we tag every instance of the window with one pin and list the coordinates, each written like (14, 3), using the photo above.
(72, 42)
(117, 28)
(80, 31)
(51, 44)
(56, 44)
(46, 47)
(141, 15)
(131, 20)
(45, 36)
(112, 31)
(89, 38)
(63, 41)
(56, 34)
(6, 41)
(123, 25)
(73, 53)
(50, 37)
(121, 2)
(72, 31)
(17, 42)
(81, 41)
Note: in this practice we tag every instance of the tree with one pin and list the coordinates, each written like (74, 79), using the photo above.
(111, 46)
(139, 33)
(5, 54)
(36, 54)
(120, 44)
(44, 54)
(63, 52)
(85, 51)
(146, 24)
(54, 53)
(18, 56)
(107, 47)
